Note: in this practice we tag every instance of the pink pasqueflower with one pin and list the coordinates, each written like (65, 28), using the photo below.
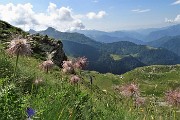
(68, 67)
(173, 97)
(130, 90)
(46, 65)
(139, 101)
(80, 63)
(19, 47)
(74, 79)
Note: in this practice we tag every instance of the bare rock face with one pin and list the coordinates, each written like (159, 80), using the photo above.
(59, 56)
(41, 45)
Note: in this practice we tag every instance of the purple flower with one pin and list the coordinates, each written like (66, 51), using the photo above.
(30, 112)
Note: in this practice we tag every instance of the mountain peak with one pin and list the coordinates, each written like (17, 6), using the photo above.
(31, 31)
(51, 29)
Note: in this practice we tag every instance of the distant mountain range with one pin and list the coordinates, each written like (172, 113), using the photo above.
(109, 37)
(76, 37)
(137, 36)
(168, 31)
(140, 36)
(102, 55)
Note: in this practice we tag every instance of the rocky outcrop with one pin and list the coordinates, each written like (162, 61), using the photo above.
(41, 45)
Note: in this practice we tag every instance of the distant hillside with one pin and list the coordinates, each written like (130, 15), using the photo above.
(145, 54)
(159, 42)
(106, 64)
(170, 43)
(75, 49)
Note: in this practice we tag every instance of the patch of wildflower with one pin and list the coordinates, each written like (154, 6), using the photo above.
(173, 97)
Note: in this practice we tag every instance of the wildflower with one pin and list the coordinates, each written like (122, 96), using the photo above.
(19, 47)
(46, 65)
(80, 63)
(77, 65)
(67, 64)
(139, 101)
(173, 97)
(30, 112)
(68, 67)
(130, 90)
(74, 79)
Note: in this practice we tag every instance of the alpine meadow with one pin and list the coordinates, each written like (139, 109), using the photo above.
(90, 60)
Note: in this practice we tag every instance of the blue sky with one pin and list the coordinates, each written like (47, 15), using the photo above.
(106, 15)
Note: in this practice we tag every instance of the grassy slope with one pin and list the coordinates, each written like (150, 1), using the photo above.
(152, 79)
(55, 98)
(116, 57)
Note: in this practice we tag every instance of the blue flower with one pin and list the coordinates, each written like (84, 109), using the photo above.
(30, 112)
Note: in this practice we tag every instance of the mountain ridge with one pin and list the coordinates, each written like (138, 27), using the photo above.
(77, 45)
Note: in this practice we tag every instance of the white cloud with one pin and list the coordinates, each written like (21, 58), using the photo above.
(22, 15)
(141, 10)
(169, 20)
(175, 3)
(93, 15)
(175, 20)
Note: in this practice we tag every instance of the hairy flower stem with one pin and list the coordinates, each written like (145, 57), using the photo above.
(47, 70)
(174, 115)
(15, 69)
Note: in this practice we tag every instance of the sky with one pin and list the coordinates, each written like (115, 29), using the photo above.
(104, 15)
